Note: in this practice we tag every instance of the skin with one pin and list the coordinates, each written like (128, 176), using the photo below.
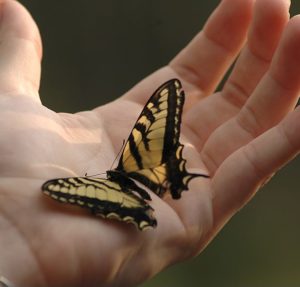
(240, 136)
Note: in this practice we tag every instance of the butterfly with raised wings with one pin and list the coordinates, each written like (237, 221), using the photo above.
(151, 156)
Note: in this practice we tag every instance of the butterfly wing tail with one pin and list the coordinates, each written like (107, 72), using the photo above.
(181, 177)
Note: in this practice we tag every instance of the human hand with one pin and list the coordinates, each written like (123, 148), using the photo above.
(232, 135)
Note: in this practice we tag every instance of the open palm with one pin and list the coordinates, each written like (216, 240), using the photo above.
(239, 136)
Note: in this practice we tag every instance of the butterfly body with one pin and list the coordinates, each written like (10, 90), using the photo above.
(151, 156)
(122, 179)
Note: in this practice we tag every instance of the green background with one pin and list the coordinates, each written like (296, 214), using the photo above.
(94, 51)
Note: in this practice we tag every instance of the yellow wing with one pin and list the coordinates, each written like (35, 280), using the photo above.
(103, 197)
(153, 154)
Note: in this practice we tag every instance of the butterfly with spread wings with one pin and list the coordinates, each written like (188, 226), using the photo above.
(151, 156)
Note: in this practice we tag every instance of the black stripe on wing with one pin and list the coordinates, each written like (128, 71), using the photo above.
(173, 122)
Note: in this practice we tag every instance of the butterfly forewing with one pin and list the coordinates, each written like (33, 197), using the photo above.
(103, 197)
(156, 130)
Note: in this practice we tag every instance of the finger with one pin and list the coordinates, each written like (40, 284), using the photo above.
(20, 51)
(250, 67)
(274, 97)
(202, 64)
(257, 55)
(241, 174)
(204, 61)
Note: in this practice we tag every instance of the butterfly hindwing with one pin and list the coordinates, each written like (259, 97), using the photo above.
(103, 197)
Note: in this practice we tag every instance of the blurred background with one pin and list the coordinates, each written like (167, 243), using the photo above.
(94, 51)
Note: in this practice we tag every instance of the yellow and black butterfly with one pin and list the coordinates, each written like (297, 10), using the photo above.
(152, 156)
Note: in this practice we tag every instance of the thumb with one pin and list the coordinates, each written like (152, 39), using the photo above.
(20, 51)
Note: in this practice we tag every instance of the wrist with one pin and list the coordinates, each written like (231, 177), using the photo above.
(17, 261)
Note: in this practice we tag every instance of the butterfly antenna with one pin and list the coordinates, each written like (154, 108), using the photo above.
(93, 175)
(123, 144)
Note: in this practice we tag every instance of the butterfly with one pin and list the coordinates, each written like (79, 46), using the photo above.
(152, 156)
